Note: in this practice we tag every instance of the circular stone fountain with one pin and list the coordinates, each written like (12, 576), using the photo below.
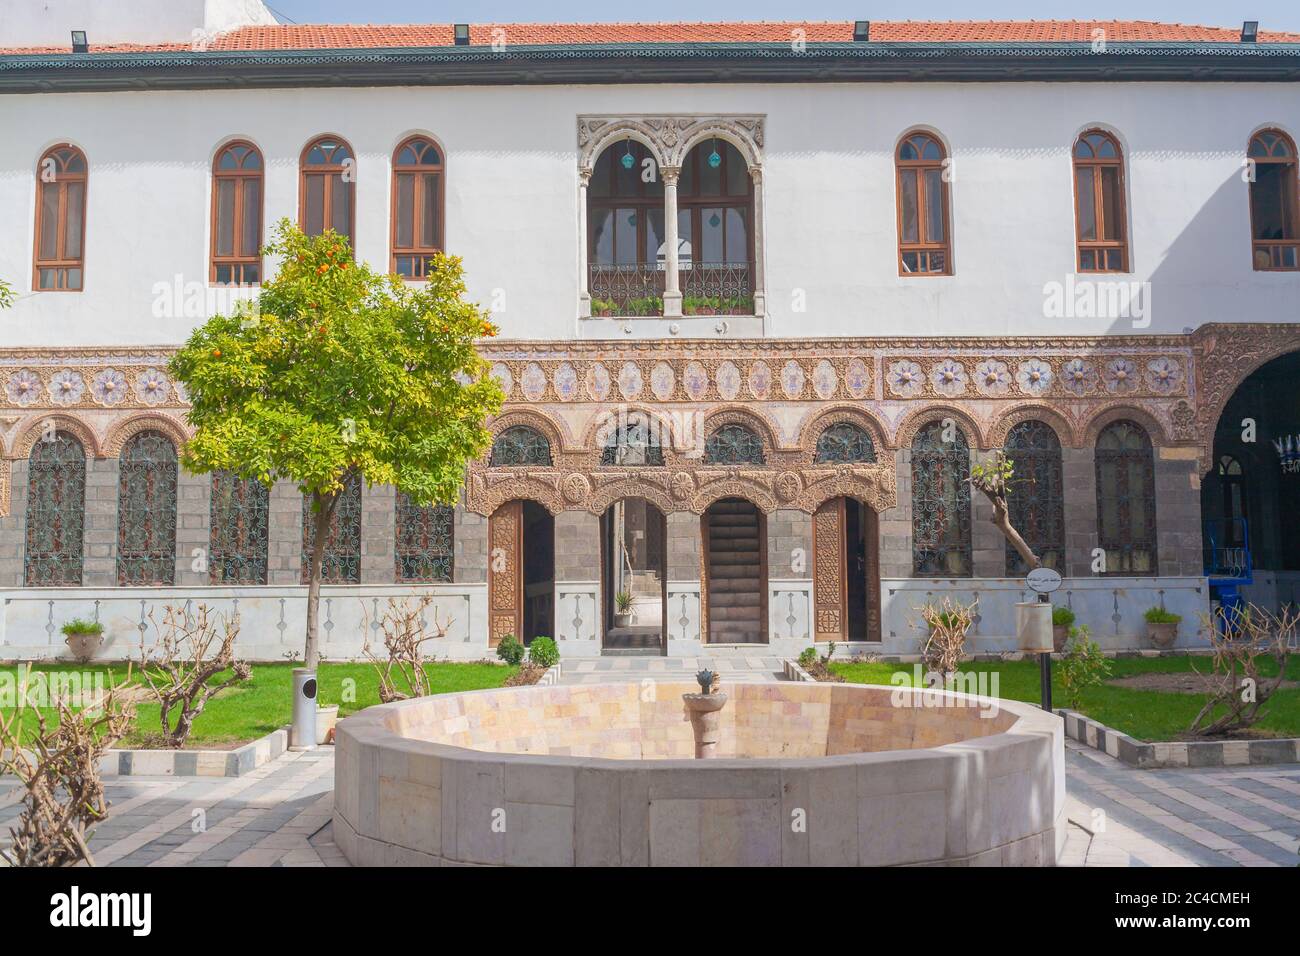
(604, 775)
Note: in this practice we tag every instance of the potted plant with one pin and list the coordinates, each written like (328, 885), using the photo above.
(327, 715)
(1162, 626)
(622, 609)
(83, 638)
(603, 307)
(1062, 618)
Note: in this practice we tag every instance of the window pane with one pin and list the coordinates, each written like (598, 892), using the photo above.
(405, 212)
(341, 206)
(909, 206)
(1266, 201)
(737, 174)
(72, 235)
(252, 232)
(934, 205)
(654, 239)
(625, 229)
(49, 221)
(314, 220)
(710, 177)
(1112, 224)
(711, 235)
(737, 236)
(225, 217)
(602, 229)
(73, 279)
(429, 212)
(1085, 199)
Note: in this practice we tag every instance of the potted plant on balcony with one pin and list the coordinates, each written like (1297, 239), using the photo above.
(603, 307)
(646, 305)
(1162, 626)
(701, 305)
(1062, 618)
(83, 638)
(622, 609)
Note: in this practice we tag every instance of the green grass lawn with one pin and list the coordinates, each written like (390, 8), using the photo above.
(1146, 715)
(262, 704)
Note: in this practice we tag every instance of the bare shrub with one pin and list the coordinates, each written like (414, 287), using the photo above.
(945, 646)
(181, 665)
(1239, 640)
(402, 673)
(528, 673)
(59, 767)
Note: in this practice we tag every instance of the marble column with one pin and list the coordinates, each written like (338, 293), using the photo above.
(672, 275)
(584, 274)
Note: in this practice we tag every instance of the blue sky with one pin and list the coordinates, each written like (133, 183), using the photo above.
(1272, 14)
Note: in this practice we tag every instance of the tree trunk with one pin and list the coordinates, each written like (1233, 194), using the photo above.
(321, 513)
(1003, 521)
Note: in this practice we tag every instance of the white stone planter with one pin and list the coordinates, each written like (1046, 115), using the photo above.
(326, 718)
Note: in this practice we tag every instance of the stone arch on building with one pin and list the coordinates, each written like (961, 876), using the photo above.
(1035, 411)
(125, 430)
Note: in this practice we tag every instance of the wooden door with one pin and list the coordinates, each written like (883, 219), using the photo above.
(505, 572)
(871, 545)
(830, 584)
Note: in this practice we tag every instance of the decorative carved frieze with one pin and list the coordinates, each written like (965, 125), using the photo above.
(670, 137)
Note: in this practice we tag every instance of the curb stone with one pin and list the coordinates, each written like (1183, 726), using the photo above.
(1178, 753)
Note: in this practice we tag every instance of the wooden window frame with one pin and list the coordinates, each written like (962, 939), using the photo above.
(695, 202)
(644, 202)
(418, 171)
(923, 247)
(327, 171)
(1264, 245)
(240, 177)
(62, 263)
(1096, 164)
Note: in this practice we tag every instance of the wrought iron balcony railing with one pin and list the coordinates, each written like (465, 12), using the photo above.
(635, 289)
(717, 288)
(707, 288)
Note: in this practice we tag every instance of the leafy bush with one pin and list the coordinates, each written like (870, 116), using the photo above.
(1062, 615)
(510, 650)
(543, 652)
(1083, 666)
(1158, 615)
(807, 657)
(81, 626)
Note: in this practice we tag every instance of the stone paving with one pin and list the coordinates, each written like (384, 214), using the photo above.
(279, 814)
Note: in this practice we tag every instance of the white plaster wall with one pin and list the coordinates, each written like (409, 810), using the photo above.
(50, 22)
(829, 196)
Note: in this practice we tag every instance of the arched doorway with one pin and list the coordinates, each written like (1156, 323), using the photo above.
(1250, 522)
(846, 572)
(521, 572)
(634, 577)
(734, 536)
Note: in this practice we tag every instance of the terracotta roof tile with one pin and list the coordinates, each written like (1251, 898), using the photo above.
(337, 37)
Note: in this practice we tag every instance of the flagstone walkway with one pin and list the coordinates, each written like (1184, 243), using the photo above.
(279, 814)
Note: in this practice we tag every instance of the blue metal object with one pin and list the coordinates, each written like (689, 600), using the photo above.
(1228, 563)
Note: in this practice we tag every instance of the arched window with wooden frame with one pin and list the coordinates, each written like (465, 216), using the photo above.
(417, 206)
(715, 231)
(1101, 226)
(625, 231)
(1126, 499)
(237, 180)
(59, 259)
(327, 188)
(1274, 202)
(56, 512)
(924, 233)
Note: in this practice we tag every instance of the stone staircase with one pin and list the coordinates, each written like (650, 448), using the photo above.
(735, 574)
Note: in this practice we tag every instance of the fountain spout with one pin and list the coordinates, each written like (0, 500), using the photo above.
(704, 709)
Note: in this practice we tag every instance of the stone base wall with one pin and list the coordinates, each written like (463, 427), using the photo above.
(996, 799)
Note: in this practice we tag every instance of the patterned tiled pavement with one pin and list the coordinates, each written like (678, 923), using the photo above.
(279, 815)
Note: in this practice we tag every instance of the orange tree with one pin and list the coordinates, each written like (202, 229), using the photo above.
(338, 371)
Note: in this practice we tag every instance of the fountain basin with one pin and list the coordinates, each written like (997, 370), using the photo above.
(804, 774)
